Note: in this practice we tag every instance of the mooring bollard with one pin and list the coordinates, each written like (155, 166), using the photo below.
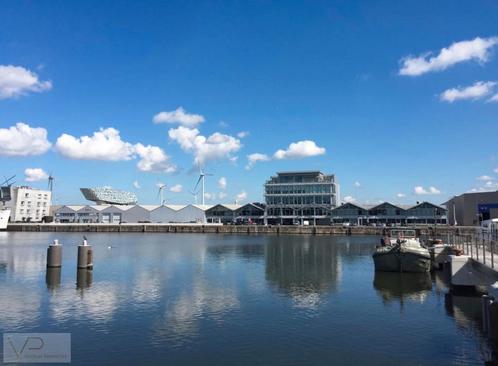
(85, 255)
(54, 255)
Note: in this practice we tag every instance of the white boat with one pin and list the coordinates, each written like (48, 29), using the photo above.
(4, 218)
(402, 252)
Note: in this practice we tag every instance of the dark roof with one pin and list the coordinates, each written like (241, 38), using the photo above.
(388, 203)
(428, 203)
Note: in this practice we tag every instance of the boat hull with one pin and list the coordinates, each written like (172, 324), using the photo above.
(4, 219)
(402, 260)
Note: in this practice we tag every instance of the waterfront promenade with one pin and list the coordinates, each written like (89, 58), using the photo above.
(441, 231)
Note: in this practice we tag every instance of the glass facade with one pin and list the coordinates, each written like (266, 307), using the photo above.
(300, 195)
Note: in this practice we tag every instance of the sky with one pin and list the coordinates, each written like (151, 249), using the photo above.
(398, 99)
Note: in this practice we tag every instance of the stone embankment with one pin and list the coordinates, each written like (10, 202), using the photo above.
(231, 229)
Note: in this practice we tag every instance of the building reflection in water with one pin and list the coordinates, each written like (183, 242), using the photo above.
(84, 279)
(467, 312)
(53, 278)
(399, 287)
(303, 268)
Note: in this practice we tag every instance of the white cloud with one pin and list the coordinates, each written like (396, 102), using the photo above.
(23, 140)
(209, 196)
(488, 186)
(105, 144)
(177, 188)
(242, 134)
(34, 174)
(401, 195)
(222, 195)
(241, 196)
(136, 184)
(153, 159)
(357, 184)
(179, 116)
(477, 49)
(16, 81)
(478, 90)
(222, 183)
(299, 150)
(491, 184)
(252, 159)
(215, 147)
(494, 98)
(349, 199)
(419, 190)
(485, 178)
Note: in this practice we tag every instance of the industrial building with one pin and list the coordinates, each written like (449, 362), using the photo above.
(472, 208)
(250, 213)
(388, 214)
(117, 214)
(300, 197)
(29, 204)
(222, 213)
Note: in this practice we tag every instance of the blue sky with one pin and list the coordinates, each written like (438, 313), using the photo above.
(325, 73)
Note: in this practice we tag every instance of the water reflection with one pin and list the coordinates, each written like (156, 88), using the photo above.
(303, 269)
(203, 301)
(247, 251)
(399, 287)
(53, 278)
(259, 299)
(84, 278)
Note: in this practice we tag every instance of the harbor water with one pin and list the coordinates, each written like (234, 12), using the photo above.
(208, 299)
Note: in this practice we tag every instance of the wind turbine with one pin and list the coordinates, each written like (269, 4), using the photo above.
(193, 193)
(160, 187)
(50, 182)
(202, 176)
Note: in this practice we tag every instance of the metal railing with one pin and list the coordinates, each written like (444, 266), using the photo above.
(481, 246)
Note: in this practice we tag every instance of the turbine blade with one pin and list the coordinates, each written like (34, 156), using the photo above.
(198, 181)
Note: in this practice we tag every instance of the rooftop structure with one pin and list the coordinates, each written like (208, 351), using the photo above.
(107, 195)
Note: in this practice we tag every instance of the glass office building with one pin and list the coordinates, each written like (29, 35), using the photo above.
(297, 197)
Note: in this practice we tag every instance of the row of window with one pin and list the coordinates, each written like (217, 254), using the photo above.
(390, 212)
(300, 189)
(38, 204)
(299, 200)
(300, 179)
(27, 194)
(28, 211)
(290, 212)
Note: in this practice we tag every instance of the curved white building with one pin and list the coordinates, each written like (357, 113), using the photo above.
(107, 195)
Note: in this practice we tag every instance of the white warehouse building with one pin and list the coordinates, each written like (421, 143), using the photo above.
(117, 214)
